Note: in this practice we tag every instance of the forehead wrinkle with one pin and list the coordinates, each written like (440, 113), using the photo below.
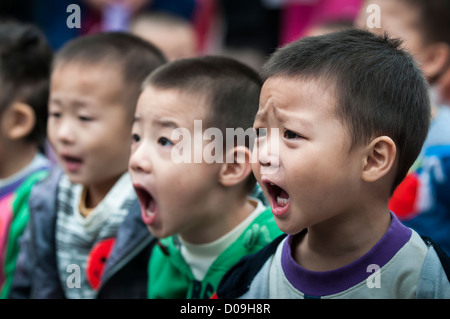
(270, 107)
(259, 115)
(279, 115)
(262, 113)
(290, 112)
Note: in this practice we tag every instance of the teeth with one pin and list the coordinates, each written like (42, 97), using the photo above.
(282, 201)
(271, 184)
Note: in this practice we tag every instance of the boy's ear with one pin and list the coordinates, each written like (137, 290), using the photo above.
(436, 58)
(239, 169)
(20, 120)
(379, 159)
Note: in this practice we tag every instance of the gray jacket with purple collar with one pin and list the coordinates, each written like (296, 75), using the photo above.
(408, 266)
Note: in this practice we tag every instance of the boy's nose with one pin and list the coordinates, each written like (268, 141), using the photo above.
(66, 133)
(140, 162)
(268, 154)
(268, 151)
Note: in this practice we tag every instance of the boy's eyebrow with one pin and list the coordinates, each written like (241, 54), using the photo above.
(79, 103)
(285, 116)
(166, 123)
(158, 122)
(161, 122)
(54, 100)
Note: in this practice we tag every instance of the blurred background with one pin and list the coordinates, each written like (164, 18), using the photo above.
(248, 30)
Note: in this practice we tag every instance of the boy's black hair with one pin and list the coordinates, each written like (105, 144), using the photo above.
(231, 89)
(378, 88)
(25, 59)
(134, 57)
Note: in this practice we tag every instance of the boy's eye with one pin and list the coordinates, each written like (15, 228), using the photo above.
(54, 114)
(84, 118)
(163, 141)
(290, 135)
(261, 132)
(135, 138)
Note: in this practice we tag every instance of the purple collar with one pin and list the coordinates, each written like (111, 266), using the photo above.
(313, 283)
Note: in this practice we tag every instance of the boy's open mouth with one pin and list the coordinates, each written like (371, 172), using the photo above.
(71, 163)
(147, 203)
(279, 198)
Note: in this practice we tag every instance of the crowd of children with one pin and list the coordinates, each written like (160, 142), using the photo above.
(333, 184)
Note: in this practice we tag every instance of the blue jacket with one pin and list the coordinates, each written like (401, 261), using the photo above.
(422, 200)
(36, 276)
(432, 215)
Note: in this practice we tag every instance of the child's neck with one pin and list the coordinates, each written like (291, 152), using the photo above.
(337, 243)
(232, 213)
(94, 194)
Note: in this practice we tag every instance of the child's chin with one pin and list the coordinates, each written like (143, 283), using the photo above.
(75, 178)
(288, 227)
(158, 233)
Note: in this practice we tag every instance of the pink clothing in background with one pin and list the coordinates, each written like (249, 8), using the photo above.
(298, 15)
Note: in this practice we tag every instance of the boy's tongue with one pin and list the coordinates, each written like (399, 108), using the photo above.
(149, 210)
(151, 206)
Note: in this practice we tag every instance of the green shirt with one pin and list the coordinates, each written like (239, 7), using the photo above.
(170, 277)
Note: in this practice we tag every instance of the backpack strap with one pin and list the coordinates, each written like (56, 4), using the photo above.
(238, 279)
(443, 257)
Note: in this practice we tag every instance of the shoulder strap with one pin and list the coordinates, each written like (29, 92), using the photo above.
(443, 257)
(237, 280)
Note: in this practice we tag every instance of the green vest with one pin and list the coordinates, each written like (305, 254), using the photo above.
(171, 278)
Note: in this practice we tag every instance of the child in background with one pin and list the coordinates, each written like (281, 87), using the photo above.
(350, 112)
(422, 200)
(200, 209)
(174, 35)
(86, 238)
(25, 59)
(328, 26)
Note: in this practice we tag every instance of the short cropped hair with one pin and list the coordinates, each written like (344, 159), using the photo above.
(134, 57)
(25, 59)
(231, 89)
(378, 87)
